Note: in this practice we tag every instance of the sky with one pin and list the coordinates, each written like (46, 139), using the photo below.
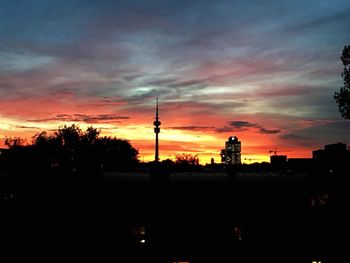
(263, 70)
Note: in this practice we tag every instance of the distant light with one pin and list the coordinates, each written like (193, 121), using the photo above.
(142, 241)
(237, 232)
(316, 261)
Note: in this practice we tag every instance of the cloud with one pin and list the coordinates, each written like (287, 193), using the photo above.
(100, 118)
(224, 129)
(316, 133)
(296, 140)
(26, 127)
(193, 128)
(187, 83)
(245, 125)
(293, 137)
(162, 81)
(267, 131)
(322, 21)
(288, 90)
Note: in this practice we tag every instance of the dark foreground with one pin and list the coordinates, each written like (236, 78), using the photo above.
(170, 221)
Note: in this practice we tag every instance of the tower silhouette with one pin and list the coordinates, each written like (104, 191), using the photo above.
(156, 124)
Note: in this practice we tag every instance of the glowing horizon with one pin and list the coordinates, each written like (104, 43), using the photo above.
(173, 141)
(265, 72)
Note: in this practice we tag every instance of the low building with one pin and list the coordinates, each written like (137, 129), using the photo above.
(300, 164)
(278, 161)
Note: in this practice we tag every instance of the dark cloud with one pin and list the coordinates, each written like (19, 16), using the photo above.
(316, 133)
(187, 83)
(267, 131)
(300, 140)
(293, 137)
(162, 81)
(132, 77)
(193, 128)
(100, 118)
(104, 102)
(243, 124)
(26, 127)
(224, 129)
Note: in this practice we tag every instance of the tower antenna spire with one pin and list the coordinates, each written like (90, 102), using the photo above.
(156, 124)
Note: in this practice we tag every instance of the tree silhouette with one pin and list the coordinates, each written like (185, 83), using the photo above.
(343, 96)
(14, 142)
(187, 159)
(71, 151)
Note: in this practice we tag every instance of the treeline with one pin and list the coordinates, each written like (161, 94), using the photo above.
(70, 151)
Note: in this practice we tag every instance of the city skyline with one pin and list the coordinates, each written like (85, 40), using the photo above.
(264, 72)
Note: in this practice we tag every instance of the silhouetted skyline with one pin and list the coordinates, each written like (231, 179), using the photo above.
(91, 191)
(263, 71)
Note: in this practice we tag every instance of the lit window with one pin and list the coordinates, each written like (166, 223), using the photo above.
(238, 232)
(138, 230)
(138, 234)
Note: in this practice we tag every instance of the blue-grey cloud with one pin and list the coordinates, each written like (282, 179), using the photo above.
(322, 21)
(315, 133)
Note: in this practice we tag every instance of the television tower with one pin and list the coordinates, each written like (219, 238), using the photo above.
(156, 124)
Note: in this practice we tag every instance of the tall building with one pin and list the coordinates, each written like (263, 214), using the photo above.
(232, 152)
(156, 124)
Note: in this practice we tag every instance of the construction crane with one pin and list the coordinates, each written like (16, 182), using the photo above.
(275, 151)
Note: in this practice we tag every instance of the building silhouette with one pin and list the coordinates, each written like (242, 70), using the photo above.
(278, 161)
(190, 217)
(330, 152)
(232, 152)
(333, 156)
(300, 164)
(156, 124)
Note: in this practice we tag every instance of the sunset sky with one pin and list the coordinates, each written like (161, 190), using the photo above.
(264, 71)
